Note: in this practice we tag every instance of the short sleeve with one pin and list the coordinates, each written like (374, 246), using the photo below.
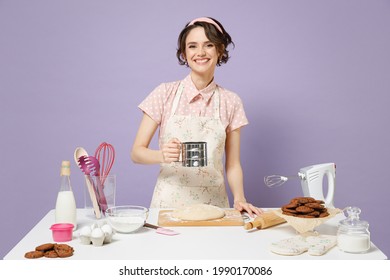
(153, 104)
(237, 115)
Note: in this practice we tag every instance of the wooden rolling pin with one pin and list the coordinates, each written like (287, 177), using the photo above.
(265, 220)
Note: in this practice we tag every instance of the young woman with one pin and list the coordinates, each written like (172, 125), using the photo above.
(195, 109)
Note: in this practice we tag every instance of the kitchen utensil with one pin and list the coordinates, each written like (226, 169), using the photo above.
(265, 220)
(62, 232)
(232, 218)
(105, 193)
(90, 166)
(161, 230)
(276, 180)
(105, 154)
(127, 218)
(194, 154)
(79, 152)
(312, 178)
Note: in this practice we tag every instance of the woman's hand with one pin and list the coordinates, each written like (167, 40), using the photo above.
(244, 206)
(171, 151)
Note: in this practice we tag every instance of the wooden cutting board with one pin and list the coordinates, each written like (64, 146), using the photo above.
(232, 218)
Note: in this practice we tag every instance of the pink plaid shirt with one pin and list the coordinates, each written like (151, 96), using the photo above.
(158, 104)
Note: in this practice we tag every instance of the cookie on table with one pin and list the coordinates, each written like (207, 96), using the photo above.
(45, 247)
(51, 254)
(63, 250)
(34, 254)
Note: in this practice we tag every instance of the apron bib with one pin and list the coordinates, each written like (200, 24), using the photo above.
(179, 186)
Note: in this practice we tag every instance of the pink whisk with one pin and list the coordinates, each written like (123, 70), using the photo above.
(105, 154)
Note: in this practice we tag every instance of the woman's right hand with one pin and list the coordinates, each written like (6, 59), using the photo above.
(171, 151)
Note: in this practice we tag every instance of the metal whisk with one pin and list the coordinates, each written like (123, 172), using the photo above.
(276, 180)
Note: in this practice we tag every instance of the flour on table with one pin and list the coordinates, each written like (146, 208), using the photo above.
(198, 212)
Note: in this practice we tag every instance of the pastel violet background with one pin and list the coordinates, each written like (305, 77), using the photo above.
(314, 77)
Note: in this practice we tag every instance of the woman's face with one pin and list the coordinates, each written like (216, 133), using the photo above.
(201, 54)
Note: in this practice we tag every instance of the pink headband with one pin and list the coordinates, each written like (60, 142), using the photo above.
(208, 20)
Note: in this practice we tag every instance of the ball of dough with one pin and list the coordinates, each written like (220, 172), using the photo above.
(198, 212)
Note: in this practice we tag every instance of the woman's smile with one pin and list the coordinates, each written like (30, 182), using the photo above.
(201, 54)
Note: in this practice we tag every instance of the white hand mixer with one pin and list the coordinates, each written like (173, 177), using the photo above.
(311, 181)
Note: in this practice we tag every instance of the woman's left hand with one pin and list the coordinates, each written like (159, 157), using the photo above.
(243, 206)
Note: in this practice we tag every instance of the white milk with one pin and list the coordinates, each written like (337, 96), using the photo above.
(66, 208)
(353, 243)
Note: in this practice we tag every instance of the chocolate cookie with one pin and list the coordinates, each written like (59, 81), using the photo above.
(289, 214)
(304, 200)
(324, 214)
(51, 254)
(45, 247)
(291, 205)
(33, 255)
(284, 209)
(304, 209)
(314, 214)
(315, 205)
(63, 250)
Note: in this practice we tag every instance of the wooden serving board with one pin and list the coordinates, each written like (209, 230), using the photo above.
(232, 218)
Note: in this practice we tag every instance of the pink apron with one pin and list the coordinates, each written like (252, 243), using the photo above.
(177, 185)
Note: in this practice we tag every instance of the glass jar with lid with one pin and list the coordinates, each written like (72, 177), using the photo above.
(353, 235)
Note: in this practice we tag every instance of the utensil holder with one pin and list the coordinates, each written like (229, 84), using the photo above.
(104, 188)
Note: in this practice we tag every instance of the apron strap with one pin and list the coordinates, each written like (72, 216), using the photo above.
(216, 103)
(177, 98)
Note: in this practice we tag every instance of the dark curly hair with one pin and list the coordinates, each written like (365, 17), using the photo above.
(221, 40)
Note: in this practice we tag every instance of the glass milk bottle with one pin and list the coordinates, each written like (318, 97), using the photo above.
(65, 211)
(353, 235)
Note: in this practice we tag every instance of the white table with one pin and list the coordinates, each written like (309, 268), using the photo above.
(193, 243)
